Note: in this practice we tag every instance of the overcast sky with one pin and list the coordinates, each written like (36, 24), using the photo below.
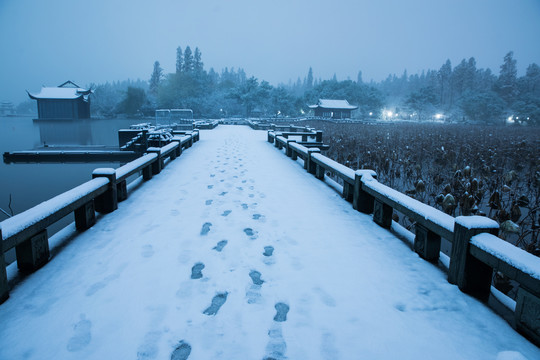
(94, 41)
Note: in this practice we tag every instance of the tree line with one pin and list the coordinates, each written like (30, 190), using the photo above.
(463, 92)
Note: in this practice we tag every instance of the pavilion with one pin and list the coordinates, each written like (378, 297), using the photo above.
(66, 102)
(335, 109)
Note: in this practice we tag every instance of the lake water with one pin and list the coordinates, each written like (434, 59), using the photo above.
(31, 184)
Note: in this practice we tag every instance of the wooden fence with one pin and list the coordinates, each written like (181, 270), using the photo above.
(27, 231)
(476, 250)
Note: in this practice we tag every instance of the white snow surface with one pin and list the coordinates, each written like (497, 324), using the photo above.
(482, 222)
(124, 289)
(511, 254)
(60, 93)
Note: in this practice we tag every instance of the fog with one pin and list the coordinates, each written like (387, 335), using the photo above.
(48, 42)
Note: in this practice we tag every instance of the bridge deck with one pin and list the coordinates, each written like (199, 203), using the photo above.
(235, 252)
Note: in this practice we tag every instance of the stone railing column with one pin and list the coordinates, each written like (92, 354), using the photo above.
(156, 165)
(4, 286)
(33, 253)
(85, 216)
(471, 275)
(311, 166)
(362, 201)
(427, 244)
(108, 201)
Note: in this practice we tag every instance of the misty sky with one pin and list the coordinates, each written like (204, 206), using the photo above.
(94, 41)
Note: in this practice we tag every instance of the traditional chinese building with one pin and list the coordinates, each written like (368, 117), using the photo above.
(66, 102)
(335, 109)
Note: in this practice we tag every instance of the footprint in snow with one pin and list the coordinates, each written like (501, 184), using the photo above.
(206, 228)
(82, 336)
(257, 216)
(209, 202)
(217, 303)
(276, 346)
(282, 310)
(220, 245)
(256, 277)
(210, 186)
(245, 206)
(268, 250)
(251, 233)
(147, 251)
(226, 212)
(223, 193)
(149, 348)
(182, 351)
(196, 271)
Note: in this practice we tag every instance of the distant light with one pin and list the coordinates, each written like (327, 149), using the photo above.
(389, 113)
(510, 119)
(438, 116)
(302, 111)
(279, 112)
(370, 113)
(396, 115)
(517, 117)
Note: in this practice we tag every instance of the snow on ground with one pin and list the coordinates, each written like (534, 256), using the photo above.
(235, 252)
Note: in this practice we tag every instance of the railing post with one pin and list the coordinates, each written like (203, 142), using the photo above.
(147, 172)
(294, 155)
(318, 136)
(526, 314)
(362, 201)
(382, 214)
(348, 191)
(108, 201)
(471, 275)
(288, 148)
(85, 216)
(156, 165)
(121, 190)
(173, 153)
(319, 172)
(311, 166)
(270, 139)
(33, 253)
(4, 286)
(427, 244)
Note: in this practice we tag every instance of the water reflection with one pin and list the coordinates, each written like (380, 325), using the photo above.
(65, 132)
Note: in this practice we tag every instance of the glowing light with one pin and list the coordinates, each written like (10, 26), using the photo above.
(370, 113)
(389, 114)
(438, 116)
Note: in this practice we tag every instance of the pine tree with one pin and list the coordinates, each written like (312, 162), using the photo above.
(309, 80)
(198, 64)
(445, 76)
(188, 61)
(506, 85)
(179, 60)
(359, 78)
(155, 78)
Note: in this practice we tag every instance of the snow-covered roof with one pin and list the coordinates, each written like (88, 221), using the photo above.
(334, 104)
(64, 91)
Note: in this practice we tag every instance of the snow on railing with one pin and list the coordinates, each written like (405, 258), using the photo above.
(476, 252)
(27, 231)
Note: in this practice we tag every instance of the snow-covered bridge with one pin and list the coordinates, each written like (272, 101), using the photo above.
(233, 252)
